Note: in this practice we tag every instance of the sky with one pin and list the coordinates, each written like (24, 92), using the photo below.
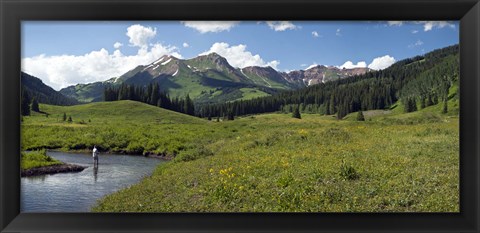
(69, 52)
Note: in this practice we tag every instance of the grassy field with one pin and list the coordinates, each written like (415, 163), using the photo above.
(37, 159)
(392, 162)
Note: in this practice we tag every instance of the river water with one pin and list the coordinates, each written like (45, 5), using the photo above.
(78, 192)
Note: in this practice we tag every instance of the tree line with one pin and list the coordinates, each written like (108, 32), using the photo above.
(28, 103)
(422, 78)
(150, 94)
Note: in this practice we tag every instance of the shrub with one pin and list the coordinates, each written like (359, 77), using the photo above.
(135, 148)
(348, 172)
(193, 154)
(296, 113)
(360, 116)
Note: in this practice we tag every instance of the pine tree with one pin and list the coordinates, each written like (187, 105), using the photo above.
(188, 107)
(35, 105)
(445, 106)
(296, 113)
(25, 103)
(331, 105)
(422, 102)
(360, 116)
(340, 112)
(413, 103)
(64, 116)
(69, 119)
(230, 115)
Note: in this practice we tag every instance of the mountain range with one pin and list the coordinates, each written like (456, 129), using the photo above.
(211, 79)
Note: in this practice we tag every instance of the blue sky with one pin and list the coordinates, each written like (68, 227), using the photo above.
(67, 53)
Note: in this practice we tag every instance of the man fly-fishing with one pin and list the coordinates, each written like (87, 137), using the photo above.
(95, 156)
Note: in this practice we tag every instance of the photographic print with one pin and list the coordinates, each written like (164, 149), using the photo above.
(240, 116)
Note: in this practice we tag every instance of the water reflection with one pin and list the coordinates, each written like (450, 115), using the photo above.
(78, 192)
(95, 172)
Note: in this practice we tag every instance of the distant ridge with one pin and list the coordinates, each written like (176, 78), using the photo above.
(43, 93)
(210, 79)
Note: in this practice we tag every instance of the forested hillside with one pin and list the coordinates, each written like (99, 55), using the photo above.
(33, 87)
(423, 79)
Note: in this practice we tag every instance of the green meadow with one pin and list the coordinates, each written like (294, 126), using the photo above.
(392, 162)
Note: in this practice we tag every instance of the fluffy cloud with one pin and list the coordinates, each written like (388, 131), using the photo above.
(338, 32)
(350, 65)
(140, 36)
(185, 45)
(60, 71)
(117, 45)
(378, 63)
(210, 26)
(381, 63)
(279, 26)
(414, 31)
(315, 34)
(238, 56)
(429, 25)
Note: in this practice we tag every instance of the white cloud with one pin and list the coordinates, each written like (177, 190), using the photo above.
(185, 45)
(429, 25)
(338, 32)
(281, 25)
(140, 36)
(238, 56)
(378, 63)
(417, 43)
(117, 45)
(414, 31)
(395, 23)
(381, 63)
(210, 26)
(315, 34)
(60, 71)
(351, 65)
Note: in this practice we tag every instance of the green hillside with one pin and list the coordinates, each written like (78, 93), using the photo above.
(269, 80)
(120, 126)
(92, 92)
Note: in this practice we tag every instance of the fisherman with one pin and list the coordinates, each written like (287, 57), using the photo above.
(95, 156)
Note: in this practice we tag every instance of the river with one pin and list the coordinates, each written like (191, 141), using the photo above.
(78, 192)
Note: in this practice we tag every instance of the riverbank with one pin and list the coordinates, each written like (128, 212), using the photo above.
(52, 169)
(36, 163)
(162, 156)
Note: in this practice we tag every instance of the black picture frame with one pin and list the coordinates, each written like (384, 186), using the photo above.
(12, 12)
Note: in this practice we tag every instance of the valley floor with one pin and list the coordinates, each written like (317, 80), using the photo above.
(271, 162)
